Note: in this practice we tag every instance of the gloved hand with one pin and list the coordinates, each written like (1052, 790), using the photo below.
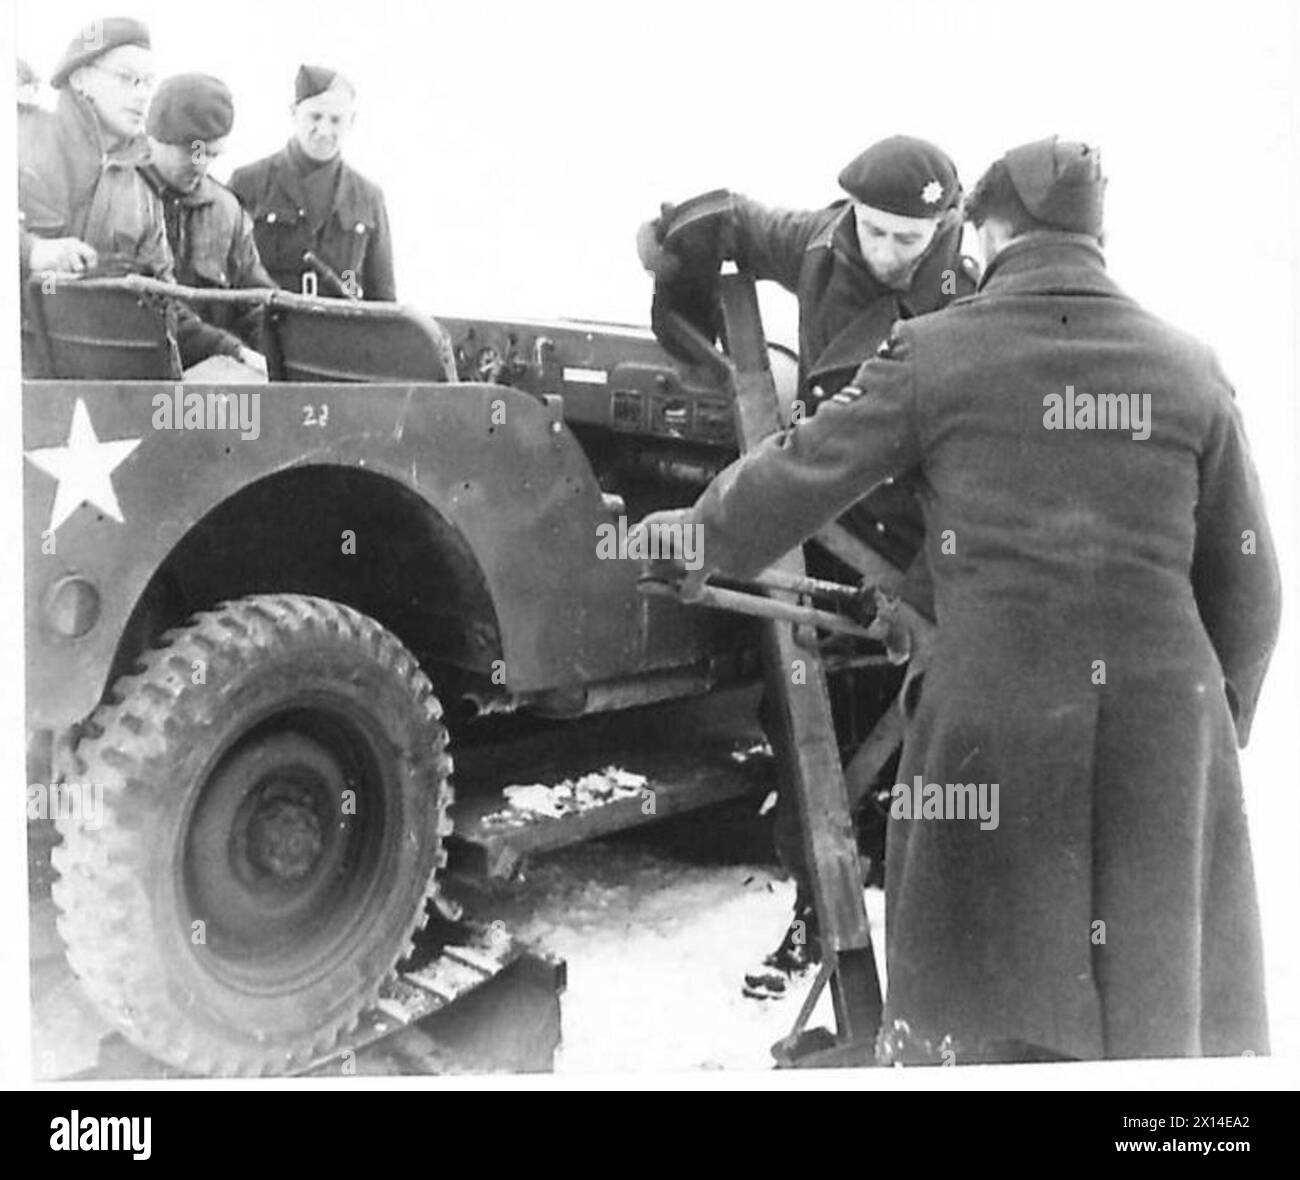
(660, 262)
(662, 537)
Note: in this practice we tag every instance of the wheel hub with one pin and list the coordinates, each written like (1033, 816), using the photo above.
(284, 838)
(276, 859)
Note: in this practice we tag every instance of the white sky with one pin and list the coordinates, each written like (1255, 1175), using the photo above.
(520, 145)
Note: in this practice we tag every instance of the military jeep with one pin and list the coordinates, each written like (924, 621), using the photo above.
(252, 611)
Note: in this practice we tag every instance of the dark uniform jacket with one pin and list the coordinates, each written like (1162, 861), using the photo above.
(1106, 610)
(330, 209)
(211, 239)
(69, 185)
(845, 314)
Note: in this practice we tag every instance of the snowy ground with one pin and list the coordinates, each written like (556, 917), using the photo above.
(657, 926)
(658, 932)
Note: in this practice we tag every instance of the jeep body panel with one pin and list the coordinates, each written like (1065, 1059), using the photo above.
(495, 466)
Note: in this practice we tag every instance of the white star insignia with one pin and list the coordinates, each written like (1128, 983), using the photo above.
(84, 468)
(931, 192)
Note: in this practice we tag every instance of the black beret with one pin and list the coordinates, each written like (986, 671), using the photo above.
(95, 40)
(1060, 183)
(191, 107)
(903, 175)
(314, 80)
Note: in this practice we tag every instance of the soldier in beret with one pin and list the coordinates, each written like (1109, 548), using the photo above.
(305, 199)
(1105, 619)
(84, 205)
(890, 251)
(211, 236)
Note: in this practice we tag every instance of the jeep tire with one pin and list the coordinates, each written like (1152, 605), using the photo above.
(275, 790)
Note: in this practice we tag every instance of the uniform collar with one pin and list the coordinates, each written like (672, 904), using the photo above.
(204, 194)
(349, 206)
(1049, 261)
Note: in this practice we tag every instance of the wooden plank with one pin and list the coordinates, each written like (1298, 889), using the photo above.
(680, 788)
(797, 685)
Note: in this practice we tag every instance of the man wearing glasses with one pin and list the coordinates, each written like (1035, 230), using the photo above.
(84, 206)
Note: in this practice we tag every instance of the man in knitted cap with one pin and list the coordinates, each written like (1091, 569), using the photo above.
(321, 227)
(211, 236)
(84, 205)
(1069, 870)
(891, 250)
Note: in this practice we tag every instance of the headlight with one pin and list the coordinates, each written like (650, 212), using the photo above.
(72, 607)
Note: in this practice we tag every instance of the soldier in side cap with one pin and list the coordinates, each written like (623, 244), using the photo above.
(891, 251)
(211, 236)
(306, 200)
(1104, 626)
(84, 205)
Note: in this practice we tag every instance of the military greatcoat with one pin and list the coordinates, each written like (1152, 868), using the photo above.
(1107, 603)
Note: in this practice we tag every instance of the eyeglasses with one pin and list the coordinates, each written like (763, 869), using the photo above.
(129, 78)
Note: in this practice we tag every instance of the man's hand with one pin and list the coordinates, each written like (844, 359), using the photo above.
(661, 263)
(905, 632)
(254, 360)
(62, 255)
(664, 535)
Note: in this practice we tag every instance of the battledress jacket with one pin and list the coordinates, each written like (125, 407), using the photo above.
(1107, 605)
(211, 239)
(71, 185)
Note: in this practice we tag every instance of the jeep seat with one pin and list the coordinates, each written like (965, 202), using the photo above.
(94, 332)
(307, 339)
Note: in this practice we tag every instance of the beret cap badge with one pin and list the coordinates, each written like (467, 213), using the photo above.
(903, 175)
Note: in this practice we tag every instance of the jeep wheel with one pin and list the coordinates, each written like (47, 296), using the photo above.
(275, 792)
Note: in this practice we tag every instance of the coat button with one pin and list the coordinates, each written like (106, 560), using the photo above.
(270, 218)
(360, 227)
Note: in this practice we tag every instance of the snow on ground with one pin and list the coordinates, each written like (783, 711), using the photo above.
(657, 944)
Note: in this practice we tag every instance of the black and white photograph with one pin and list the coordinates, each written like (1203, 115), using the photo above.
(722, 545)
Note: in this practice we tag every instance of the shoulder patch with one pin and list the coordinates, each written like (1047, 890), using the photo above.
(848, 395)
